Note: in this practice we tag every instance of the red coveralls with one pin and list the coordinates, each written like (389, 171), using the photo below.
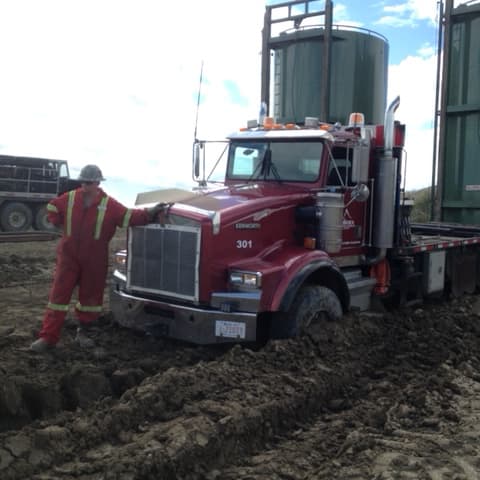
(82, 255)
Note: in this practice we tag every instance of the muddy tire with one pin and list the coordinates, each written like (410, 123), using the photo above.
(315, 312)
(15, 217)
(41, 220)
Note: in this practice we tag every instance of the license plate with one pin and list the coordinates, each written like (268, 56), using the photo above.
(224, 328)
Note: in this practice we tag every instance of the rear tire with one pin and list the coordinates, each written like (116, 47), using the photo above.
(15, 217)
(315, 312)
(41, 220)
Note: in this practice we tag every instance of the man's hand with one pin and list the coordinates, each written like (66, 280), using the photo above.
(159, 208)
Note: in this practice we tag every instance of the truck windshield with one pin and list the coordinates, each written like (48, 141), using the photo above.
(274, 160)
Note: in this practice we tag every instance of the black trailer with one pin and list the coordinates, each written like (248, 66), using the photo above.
(27, 184)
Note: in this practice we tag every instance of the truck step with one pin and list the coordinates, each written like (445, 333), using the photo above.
(360, 288)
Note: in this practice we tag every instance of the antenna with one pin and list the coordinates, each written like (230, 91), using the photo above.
(198, 101)
(198, 146)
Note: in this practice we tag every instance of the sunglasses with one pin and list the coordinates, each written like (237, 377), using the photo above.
(88, 183)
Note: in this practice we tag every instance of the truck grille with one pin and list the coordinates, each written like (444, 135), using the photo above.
(164, 260)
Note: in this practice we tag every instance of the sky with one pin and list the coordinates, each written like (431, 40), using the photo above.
(116, 82)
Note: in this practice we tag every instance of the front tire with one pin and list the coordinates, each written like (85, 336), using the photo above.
(315, 312)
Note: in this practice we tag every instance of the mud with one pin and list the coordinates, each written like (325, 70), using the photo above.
(393, 396)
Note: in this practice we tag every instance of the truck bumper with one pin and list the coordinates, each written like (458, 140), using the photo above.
(190, 324)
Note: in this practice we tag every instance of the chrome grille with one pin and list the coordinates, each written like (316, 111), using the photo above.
(164, 260)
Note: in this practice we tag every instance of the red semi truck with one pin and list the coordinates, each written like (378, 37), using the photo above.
(310, 222)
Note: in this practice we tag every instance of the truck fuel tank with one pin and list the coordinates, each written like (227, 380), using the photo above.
(330, 228)
(327, 216)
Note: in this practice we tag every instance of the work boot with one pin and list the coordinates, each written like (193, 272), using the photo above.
(82, 340)
(41, 346)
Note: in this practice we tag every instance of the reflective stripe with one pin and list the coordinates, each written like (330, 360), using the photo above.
(102, 208)
(126, 218)
(101, 211)
(71, 200)
(88, 308)
(52, 208)
(56, 306)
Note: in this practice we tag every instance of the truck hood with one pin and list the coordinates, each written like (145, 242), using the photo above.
(236, 201)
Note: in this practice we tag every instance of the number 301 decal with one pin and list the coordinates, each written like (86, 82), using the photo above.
(244, 244)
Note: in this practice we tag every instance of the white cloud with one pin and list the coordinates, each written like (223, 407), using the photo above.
(394, 21)
(426, 50)
(414, 80)
(410, 13)
(424, 10)
(341, 16)
(115, 82)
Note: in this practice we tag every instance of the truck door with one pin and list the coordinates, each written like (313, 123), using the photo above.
(339, 179)
(64, 182)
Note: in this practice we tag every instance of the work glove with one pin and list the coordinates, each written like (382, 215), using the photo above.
(159, 208)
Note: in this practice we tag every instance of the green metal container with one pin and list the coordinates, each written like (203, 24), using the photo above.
(461, 175)
(358, 75)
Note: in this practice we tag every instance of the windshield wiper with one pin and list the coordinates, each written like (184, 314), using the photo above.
(268, 166)
(265, 168)
(257, 172)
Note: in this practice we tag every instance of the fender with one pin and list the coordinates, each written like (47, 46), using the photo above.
(300, 272)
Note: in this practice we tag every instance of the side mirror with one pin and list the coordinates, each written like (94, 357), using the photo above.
(360, 193)
(361, 163)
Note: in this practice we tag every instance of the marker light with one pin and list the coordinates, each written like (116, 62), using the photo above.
(311, 122)
(120, 260)
(268, 122)
(356, 120)
(309, 242)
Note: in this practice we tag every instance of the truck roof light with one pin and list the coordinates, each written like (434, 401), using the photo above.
(356, 119)
(268, 123)
(311, 122)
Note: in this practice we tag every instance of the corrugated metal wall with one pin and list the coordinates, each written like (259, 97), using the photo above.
(460, 155)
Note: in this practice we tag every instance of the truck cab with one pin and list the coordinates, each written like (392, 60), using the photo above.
(319, 161)
(288, 229)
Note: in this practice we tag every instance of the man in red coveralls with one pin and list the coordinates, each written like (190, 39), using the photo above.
(89, 218)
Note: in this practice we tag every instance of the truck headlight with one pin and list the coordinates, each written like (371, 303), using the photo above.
(242, 278)
(120, 260)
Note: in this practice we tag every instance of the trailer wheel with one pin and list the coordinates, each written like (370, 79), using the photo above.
(315, 312)
(41, 220)
(15, 217)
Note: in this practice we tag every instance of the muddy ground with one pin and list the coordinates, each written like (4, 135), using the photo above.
(396, 396)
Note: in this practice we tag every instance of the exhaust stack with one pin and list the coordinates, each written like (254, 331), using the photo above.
(386, 185)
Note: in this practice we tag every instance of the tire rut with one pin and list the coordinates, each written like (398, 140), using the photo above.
(400, 422)
(195, 418)
(38, 387)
